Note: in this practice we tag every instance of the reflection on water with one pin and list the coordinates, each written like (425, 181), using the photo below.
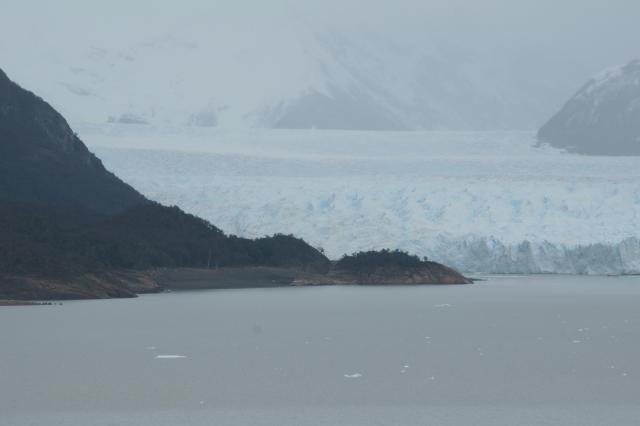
(518, 350)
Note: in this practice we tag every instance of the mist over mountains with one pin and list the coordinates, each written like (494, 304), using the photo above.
(340, 65)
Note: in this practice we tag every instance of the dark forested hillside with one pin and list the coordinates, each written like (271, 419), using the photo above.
(394, 267)
(368, 260)
(63, 215)
(42, 160)
(58, 242)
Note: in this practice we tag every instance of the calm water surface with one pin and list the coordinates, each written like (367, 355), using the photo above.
(506, 351)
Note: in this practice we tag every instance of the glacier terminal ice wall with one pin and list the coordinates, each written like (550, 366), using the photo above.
(480, 201)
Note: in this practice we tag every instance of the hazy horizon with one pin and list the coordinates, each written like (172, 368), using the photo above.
(493, 64)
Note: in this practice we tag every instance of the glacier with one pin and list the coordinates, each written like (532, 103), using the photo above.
(483, 202)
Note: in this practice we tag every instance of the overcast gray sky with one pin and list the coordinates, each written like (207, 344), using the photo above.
(586, 34)
(551, 45)
(594, 31)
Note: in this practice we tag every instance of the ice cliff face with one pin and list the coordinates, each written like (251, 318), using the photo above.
(493, 256)
(603, 118)
(481, 202)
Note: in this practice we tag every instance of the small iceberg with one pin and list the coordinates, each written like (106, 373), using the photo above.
(170, 356)
(353, 376)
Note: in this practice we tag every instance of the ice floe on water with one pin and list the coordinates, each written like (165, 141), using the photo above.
(353, 376)
(170, 356)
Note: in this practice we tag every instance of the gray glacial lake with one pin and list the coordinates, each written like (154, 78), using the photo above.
(507, 351)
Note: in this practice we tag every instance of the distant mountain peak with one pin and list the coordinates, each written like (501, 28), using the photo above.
(603, 117)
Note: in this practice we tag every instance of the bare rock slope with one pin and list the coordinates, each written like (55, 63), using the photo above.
(602, 118)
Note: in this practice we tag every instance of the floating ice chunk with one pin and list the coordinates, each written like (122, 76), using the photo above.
(577, 341)
(353, 376)
(170, 356)
(151, 348)
(443, 305)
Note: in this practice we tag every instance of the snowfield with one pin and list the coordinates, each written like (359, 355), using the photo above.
(480, 201)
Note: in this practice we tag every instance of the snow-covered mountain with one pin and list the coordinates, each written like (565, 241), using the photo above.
(296, 78)
(281, 64)
(603, 117)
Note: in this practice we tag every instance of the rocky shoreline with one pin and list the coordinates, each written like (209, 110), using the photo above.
(21, 289)
(104, 285)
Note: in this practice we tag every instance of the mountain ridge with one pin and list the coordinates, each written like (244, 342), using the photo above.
(602, 118)
(43, 160)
